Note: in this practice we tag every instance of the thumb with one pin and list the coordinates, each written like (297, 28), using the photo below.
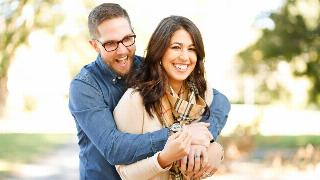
(204, 124)
(175, 135)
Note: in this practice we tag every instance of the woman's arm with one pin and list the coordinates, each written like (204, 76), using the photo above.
(129, 117)
(176, 147)
(143, 169)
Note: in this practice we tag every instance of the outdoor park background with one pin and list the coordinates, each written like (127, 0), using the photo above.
(263, 55)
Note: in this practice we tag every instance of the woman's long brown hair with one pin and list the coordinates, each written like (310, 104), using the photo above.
(150, 80)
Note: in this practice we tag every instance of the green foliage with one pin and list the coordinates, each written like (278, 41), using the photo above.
(286, 141)
(243, 136)
(18, 18)
(295, 38)
(275, 142)
(23, 148)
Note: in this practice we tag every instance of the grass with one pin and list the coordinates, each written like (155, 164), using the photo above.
(275, 141)
(286, 141)
(24, 148)
(267, 148)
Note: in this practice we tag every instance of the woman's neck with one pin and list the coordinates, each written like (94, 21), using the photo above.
(176, 86)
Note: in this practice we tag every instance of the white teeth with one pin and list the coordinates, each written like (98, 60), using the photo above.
(181, 67)
(123, 58)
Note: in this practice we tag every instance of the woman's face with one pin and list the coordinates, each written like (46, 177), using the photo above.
(180, 57)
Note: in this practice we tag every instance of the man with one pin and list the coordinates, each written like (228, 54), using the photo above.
(96, 90)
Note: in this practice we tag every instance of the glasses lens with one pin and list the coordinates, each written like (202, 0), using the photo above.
(111, 45)
(128, 41)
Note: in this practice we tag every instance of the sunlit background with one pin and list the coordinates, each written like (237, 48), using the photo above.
(263, 55)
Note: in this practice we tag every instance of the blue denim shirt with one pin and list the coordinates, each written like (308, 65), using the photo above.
(94, 93)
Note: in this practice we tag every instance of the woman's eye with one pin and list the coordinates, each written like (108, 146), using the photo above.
(175, 47)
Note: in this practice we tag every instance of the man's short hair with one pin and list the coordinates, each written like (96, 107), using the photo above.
(104, 12)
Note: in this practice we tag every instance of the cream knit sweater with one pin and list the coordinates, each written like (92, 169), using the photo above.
(131, 117)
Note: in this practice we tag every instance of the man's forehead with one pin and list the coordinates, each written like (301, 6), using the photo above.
(114, 29)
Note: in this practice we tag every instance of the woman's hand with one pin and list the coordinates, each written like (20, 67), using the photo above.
(200, 133)
(177, 146)
(197, 158)
(216, 154)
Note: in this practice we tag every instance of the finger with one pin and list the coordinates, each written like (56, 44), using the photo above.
(210, 172)
(209, 135)
(190, 161)
(183, 164)
(204, 124)
(213, 171)
(199, 173)
(203, 171)
(188, 145)
(197, 161)
(204, 162)
(187, 138)
(183, 144)
(182, 136)
(174, 136)
(204, 158)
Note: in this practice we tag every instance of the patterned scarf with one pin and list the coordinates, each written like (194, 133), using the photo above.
(183, 108)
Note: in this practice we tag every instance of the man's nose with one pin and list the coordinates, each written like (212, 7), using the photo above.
(121, 49)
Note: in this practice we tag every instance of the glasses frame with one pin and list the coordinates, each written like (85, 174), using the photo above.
(118, 42)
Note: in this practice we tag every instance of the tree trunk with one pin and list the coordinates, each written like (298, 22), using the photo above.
(3, 93)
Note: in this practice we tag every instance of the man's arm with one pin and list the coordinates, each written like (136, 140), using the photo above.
(96, 120)
(219, 110)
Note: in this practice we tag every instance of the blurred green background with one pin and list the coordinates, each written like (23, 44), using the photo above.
(263, 55)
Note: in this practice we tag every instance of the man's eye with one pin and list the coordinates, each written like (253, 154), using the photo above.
(126, 39)
(110, 43)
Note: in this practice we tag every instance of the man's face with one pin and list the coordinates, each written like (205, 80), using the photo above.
(111, 32)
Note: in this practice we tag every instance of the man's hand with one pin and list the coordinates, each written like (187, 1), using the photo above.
(200, 133)
(197, 158)
(177, 146)
(216, 154)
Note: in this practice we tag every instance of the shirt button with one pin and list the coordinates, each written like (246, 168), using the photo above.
(114, 80)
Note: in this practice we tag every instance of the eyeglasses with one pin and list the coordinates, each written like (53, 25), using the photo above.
(113, 45)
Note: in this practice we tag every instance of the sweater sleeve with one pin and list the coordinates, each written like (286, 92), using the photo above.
(128, 114)
(129, 117)
(143, 169)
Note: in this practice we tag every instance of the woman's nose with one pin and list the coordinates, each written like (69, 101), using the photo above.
(184, 55)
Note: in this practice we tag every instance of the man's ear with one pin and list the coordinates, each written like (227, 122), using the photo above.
(94, 44)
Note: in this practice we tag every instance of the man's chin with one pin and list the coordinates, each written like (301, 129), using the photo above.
(123, 73)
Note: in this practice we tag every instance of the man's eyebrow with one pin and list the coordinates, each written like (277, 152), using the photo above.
(112, 40)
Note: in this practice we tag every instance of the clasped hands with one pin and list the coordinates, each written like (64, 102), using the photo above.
(192, 149)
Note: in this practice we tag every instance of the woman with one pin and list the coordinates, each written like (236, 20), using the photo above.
(169, 88)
